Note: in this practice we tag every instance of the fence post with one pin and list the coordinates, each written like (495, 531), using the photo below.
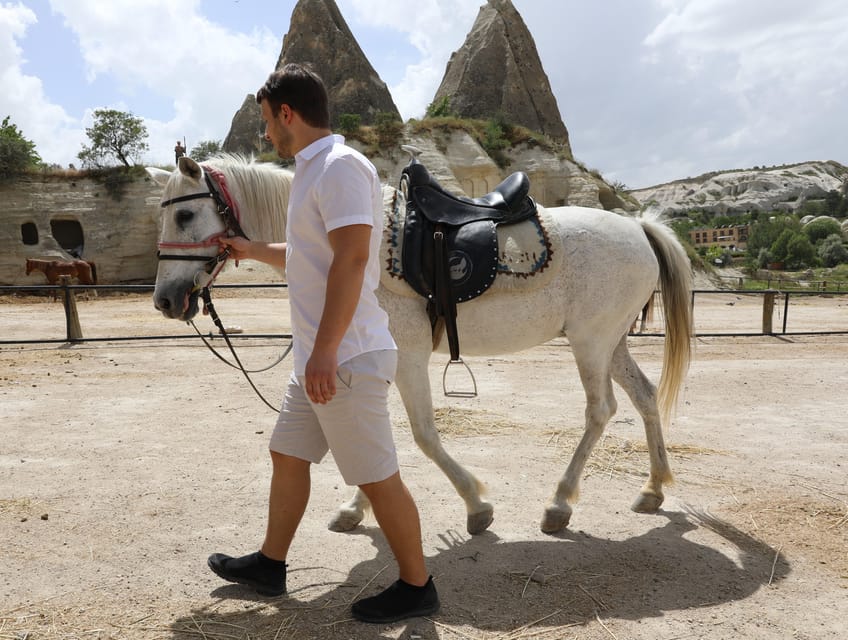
(72, 323)
(768, 312)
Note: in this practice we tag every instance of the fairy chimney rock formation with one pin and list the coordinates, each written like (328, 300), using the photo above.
(497, 71)
(319, 36)
(247, 129)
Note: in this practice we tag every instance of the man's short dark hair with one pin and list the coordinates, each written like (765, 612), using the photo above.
(302, 89)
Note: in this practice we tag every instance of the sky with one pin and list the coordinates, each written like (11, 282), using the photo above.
(650, 90)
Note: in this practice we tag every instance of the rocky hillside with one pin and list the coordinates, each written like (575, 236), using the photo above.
(783, 188)
(498, 46)
(462, 166)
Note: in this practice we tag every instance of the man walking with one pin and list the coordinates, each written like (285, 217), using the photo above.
(344, 355)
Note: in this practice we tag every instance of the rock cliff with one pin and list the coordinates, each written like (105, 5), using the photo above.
(498, 72)
(783, 188)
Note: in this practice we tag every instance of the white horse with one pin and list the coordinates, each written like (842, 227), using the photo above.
(603, 268)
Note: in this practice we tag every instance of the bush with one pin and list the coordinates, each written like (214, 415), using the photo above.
(439, 109)
(389, 129)
(349, 123)
(818, 230)
(831, 251)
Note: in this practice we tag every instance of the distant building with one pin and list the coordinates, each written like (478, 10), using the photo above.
(733, 237)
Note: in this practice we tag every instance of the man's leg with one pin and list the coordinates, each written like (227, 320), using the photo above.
(398, 518)
(290, 486)
(414, 594)
(265, 570)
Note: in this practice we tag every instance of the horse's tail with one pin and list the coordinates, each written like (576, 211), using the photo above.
(93, 271)
(676, 287)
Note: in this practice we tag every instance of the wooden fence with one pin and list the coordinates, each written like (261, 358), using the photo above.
(769, 312)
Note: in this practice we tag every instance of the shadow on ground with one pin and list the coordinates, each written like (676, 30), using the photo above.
(493, 586)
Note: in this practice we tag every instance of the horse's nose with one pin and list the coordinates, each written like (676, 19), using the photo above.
(162, 303)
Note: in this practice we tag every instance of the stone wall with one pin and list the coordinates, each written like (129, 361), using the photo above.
(46, 216)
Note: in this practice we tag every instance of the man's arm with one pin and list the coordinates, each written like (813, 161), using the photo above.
(273, 253)
(351, 246)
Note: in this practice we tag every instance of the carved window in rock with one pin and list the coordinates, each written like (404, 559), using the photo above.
(29, 233)
(68, 233)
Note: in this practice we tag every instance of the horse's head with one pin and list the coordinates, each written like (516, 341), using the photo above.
(188, 244)
(199, 205)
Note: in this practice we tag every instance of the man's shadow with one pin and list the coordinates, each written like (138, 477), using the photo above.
(496, 586)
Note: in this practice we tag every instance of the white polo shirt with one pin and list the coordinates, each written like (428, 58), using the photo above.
(334, 186)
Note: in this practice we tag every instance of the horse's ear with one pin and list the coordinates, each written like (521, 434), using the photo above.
(190, 168)
(160, 176)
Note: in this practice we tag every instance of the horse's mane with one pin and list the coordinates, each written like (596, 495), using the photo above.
(264, 194)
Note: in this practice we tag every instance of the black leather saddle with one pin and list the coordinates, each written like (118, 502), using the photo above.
(450, 243)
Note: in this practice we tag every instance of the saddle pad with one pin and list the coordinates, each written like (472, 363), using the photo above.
(525, 253)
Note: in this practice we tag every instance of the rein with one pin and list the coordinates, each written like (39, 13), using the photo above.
(228, 211)
(207, 302)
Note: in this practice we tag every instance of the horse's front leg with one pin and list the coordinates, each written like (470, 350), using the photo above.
(413, 383)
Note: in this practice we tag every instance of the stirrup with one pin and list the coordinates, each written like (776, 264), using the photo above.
(458, 394)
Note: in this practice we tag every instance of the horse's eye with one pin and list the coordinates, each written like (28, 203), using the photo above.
(184, 216)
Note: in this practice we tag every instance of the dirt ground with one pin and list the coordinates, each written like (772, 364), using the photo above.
(123, 465)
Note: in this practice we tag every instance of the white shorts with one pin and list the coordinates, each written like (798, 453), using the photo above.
(354, 425)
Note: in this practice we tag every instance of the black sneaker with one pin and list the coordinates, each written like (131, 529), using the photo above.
(398, 602)
(265, 575)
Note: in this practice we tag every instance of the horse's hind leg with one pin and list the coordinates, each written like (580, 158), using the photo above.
(351, 513)
(643, 394)
(600, 407)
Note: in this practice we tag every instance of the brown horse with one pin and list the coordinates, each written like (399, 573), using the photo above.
(83, 270)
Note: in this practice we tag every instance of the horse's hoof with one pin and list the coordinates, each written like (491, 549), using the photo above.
(480, 521)
(556, 519)
(647, 503)
(345, 520)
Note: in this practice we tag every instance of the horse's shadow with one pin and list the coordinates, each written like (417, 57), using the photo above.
(491, 585)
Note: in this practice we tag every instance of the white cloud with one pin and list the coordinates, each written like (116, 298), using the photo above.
(167, 49)
(23, 98)
(777, 74)
(649, 91)
(436, 28)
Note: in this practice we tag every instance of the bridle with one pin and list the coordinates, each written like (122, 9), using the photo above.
(228, 210)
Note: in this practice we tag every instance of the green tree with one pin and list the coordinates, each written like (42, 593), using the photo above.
(205, 149)
(765, 232)
(832, 251)
(780, 247)
(818, 230)
(115, 135)
(800, 252)
(836, 204)
(17, 154)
